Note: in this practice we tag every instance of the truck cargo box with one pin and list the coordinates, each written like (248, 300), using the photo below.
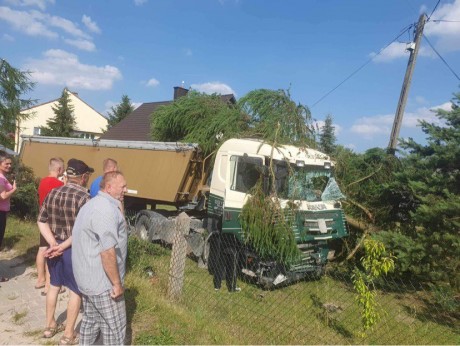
(157, 171)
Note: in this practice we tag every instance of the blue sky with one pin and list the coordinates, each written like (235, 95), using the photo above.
(143, 48)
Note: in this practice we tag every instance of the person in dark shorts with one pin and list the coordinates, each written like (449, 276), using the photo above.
(55, 220)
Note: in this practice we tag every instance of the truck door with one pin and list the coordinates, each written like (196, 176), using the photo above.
(243, 173)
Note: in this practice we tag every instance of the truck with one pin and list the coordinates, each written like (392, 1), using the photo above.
(212, 190)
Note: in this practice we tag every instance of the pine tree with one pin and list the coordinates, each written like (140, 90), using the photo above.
(120, 111)
(428, 201)
(327, 136)
(63, 124)
(13, 85)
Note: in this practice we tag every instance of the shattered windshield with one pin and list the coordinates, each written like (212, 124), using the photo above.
(309, 183)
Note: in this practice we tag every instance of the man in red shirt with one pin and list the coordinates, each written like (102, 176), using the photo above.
(56, 170)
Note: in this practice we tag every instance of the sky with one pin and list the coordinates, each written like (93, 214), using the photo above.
(346, 59)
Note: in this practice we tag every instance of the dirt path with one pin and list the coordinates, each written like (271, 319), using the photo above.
(22, 307)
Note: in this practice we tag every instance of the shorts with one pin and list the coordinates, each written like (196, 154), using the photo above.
(61, 272)
(43, 242)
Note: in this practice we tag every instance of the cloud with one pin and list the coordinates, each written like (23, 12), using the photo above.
(152, 82)
(40, 24)
(82, 44)
(420, 100)
(61, 68)
(92, 26)
(26, 22)
(443, 31)
(41, 4)
(444, 27)
(395, 50)
(63, 24)
(213, 88)
(8, 38)
(140, 2)
(318, 124)
(369, 127)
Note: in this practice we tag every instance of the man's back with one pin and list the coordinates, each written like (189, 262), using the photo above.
(61, 207)
(46, 185)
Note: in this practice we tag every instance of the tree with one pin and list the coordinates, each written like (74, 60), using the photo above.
(430, 181)
(268, 108)
(13, 85)
(63, 123)
(120, 111)
(198, 118)
(327, 136)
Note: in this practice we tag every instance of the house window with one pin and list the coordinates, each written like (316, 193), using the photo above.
(37, 131)
(85, 135)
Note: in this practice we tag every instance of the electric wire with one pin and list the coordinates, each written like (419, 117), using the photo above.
(362, 66)
(440, 57)
(434, 9)
(444, 20)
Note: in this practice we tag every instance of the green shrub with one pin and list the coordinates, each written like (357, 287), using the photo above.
(24, 203)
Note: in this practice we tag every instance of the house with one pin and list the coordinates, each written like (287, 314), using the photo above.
(136, 126)
(89, 122)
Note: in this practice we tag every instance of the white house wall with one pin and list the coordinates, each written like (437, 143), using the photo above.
(87, 119)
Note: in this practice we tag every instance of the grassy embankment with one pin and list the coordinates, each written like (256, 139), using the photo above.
(320, 312)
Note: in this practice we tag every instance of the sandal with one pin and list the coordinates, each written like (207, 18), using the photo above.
(74, 340)
(37, 287)
(49, 332)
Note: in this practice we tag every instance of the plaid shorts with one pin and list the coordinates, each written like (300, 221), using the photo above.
(103, 314)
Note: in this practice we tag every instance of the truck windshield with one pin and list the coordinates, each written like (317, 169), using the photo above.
(308, 183)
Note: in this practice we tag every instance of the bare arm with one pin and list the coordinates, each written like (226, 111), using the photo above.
(46, 232)
(109, 263)
(7, 194)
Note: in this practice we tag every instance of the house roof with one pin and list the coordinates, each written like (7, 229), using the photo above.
(75, 94)
(136, 126)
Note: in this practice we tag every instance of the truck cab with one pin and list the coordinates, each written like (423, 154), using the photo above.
(302, 176)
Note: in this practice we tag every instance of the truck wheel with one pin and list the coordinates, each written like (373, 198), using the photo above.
(142, 227)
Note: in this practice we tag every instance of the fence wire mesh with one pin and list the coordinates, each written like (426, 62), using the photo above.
(323, 311)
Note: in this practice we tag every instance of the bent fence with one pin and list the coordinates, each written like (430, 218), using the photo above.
(321, 311)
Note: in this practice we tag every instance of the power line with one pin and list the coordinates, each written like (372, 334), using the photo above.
(440, 57)
(434, 9)
(445, 20)
(362, 66)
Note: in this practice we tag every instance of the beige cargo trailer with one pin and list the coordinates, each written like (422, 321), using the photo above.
(155, 171)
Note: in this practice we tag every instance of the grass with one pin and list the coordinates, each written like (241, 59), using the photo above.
(296, 314)
(34, 333)
(22, 237)
(309, 312)
(18, 317)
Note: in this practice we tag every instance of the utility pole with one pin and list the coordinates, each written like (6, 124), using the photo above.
(406, 85)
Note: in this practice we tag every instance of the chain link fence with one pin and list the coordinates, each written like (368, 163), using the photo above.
(310, 311)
